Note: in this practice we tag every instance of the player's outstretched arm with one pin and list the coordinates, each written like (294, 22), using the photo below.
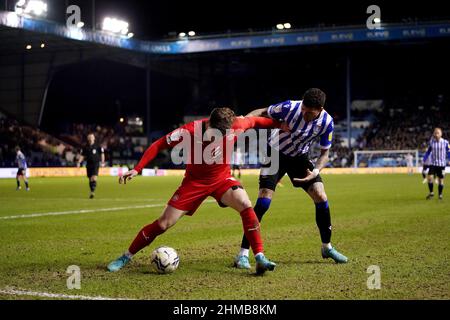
(259, 113)
(148, 156)
(166, 142)
(260, 122)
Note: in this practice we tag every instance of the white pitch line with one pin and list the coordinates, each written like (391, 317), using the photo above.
(62, 213)
(14, 292)
(36, 215)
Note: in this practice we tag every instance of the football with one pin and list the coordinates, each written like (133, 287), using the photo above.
(165, 260)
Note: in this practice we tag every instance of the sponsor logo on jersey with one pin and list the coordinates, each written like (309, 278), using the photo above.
(277, 109)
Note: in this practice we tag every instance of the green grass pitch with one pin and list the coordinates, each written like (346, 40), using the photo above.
(381, 220)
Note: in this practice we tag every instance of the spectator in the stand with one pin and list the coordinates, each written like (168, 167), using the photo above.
(70, 156)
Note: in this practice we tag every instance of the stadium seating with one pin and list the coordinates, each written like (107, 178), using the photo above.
(400, 125)
(41, 149)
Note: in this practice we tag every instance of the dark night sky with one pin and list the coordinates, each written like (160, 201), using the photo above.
(151, 19)
(101, 91)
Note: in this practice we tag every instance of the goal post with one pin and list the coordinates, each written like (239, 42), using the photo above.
(385, 158)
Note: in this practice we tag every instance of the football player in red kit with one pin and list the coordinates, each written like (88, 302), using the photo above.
(209, 143)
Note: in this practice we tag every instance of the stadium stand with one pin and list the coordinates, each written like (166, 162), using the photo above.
(41, 148)
(401, 124)
(406, 125)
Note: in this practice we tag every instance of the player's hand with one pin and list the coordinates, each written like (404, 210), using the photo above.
(309, 176)
(285, 127)
(78, 164)
(127, 176)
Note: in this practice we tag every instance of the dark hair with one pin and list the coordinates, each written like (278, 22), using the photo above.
(314, 98)
(222, 119)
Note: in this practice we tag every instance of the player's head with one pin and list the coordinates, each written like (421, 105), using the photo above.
(91, 138)
(17, 148)
(313, 103)
(222, 119)
(437, 134)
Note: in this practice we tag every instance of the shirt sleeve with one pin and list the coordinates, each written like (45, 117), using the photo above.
(168, 141)
(279, 111)
(327, 137)
(245, 123)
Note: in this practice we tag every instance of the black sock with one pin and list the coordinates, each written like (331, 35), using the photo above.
(323, 220)
(441, 188)
(93, 185)
(18, 183)
(26, 184)
(430, 186)
(423, 175)
(261, 207)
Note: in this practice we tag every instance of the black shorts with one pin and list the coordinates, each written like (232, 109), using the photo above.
(92, 171)
(437, 171)
(21, 172)
(295, 167)
(236, 167)
(425, 168)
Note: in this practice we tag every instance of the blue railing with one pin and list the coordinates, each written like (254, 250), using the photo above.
(227, 42)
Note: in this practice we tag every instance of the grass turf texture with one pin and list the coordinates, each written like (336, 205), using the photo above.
(379, 220)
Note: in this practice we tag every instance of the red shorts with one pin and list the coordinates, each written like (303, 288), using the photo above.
(191, 194)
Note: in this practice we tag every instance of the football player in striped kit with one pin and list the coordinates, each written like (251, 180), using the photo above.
(437, 153)
(303, 122)
(22, 169)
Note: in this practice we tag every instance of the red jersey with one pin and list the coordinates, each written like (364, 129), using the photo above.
(207, 161)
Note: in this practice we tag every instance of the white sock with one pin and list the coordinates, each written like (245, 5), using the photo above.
(129, 254)
(244, 252)
(259, 254)
(326, 245)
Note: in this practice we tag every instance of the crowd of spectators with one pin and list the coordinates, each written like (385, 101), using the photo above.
(41, 149)
(406, 127)
(397, 127)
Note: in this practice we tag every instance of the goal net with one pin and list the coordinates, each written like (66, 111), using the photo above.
(386, 158)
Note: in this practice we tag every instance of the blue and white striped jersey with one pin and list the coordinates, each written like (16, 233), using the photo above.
(438, 151)
(302, 134)
(21, 160)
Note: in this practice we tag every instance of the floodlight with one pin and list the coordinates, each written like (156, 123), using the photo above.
(116, 26)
